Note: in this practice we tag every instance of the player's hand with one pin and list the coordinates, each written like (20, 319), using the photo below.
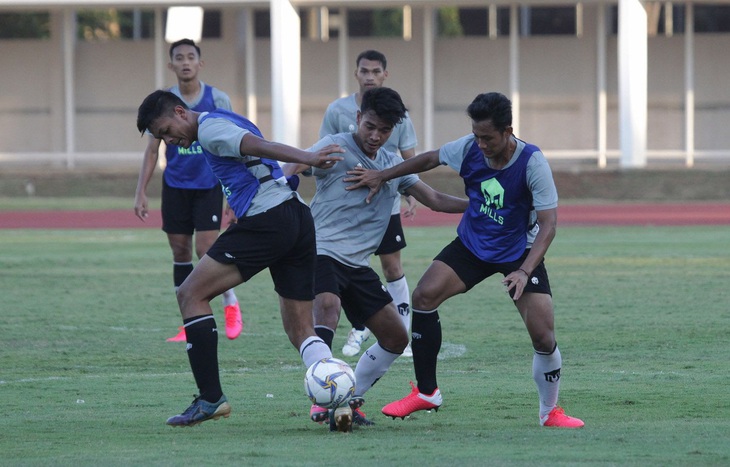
(360, 177)
(410, 211)
(140, 207)
(516, 280)
(228, 214)
(323, 159)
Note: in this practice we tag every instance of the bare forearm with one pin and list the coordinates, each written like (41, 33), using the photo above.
(417, 164)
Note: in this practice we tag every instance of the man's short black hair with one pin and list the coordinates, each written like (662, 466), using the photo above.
(184, 42)
(156, 105)
(373, 56)
(385, 103)
(491, 106)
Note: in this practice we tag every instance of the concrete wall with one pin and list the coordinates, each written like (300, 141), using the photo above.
(557, 87)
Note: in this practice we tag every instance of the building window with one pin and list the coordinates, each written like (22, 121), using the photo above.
(97, 25)
(25, 25)
(544, 21)
(381, 22)
(458, 22)
(712, 18)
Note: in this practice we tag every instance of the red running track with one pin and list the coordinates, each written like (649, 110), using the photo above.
(571, 214)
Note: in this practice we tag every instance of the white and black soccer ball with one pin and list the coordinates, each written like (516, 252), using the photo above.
(329, 383)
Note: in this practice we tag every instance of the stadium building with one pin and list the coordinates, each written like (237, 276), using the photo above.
(620, 83)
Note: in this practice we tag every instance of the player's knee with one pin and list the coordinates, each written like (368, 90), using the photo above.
(544, 342)
(396, 341)
(425, 298)
(392, 269)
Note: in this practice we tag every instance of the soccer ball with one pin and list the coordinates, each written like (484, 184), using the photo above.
(329, 383)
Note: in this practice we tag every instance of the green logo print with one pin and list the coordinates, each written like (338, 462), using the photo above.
(493, 199)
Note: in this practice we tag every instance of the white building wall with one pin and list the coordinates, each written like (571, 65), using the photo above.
(557, 87)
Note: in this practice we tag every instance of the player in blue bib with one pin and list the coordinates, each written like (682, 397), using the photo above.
(507, 229)
(192, 201)
(274, 230)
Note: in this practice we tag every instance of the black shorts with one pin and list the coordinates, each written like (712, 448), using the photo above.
(472, 270)
(360, 290)
(281, 239)
(186, 210)
(394, 238)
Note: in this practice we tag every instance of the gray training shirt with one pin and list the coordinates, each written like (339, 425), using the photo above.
(348, 229)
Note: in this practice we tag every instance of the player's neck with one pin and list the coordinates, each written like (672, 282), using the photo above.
(189, 89)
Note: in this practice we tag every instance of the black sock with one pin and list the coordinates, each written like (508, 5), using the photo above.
(326, 334)
(426, 343)
(358, 327)
(202, 336)
(180, 272)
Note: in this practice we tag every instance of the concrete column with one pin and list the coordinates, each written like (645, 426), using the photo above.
(285, 73)
(632, 65)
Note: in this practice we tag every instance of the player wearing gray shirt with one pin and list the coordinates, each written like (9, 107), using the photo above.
(340, 117)
(349, 229)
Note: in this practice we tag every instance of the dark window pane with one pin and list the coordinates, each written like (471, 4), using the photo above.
(712, 18)
(211, 24)
(387, 22)
(262, 23)
(25, 26)
(550, 20)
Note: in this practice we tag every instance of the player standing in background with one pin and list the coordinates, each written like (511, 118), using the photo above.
(274, 230)
(510, 223)
(192, 200)
(349, 231)
(341, 117)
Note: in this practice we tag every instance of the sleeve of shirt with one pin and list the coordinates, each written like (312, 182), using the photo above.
(408, 139)
(221, 137)
(453, 153)
(541, 184)
(221, 100)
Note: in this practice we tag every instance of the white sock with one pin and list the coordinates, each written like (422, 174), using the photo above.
(314, 349)
(373, 364)
(229, 297)
(546, 373)
(398, 289)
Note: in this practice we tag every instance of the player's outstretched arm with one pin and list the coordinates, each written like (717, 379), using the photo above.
(437, 200)
(373, 179)
(322, 159)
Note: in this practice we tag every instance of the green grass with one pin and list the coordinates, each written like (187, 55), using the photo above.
(642, 315)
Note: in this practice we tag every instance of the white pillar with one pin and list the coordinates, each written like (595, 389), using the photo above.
(160, 55)
(632, 61)
(69, 104)
(343, 60)
(247, 46)
(689, 84)
(514, 68)
(428, 84)
(601, 85)
(285, 73)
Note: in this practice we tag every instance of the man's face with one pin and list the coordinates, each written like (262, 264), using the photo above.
(370, 74)
(185, 62)
(174, 129)
(372, 132)
(492, 142)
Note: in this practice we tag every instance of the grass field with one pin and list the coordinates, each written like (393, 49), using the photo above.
(642, 321)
